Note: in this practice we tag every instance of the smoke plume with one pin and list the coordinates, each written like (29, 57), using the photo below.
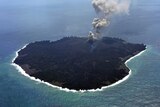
(105, 9)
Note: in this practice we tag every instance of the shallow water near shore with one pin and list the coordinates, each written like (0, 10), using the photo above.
(22, 22)
(144, 79)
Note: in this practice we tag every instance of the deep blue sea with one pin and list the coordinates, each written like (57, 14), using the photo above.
(24, 21)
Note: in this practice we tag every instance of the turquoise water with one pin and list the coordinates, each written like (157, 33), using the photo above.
(23, 21)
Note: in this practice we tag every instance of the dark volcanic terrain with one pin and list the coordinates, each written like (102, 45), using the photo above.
(75, 63)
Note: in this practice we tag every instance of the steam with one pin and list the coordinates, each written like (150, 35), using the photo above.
(105, 9)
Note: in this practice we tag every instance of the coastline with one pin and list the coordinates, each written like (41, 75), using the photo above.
(66, 89)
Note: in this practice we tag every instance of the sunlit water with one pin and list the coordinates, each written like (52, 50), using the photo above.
(24, 21)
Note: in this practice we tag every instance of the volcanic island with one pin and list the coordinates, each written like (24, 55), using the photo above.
(78, 63)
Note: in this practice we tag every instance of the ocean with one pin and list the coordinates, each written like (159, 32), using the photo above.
(22, 22)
